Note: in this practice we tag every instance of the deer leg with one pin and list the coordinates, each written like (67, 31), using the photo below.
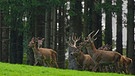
(50, 62)
(47, 63)
(44, 63)
(56, 64)
(123, 69)
(116, 67)
(101, 68)
(35, 62)
(42, 59)
(84, 67)
(112, 68)
(95, 67)
(90, 67)
(126, 69)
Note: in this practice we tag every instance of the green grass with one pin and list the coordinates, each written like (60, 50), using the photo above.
(7, 69)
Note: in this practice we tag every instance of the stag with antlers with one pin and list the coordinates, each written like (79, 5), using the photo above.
(100, 57)
(83, 60)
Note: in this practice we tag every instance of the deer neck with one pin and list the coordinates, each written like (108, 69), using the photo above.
(80, 57)
(35, 50)
(91, 49)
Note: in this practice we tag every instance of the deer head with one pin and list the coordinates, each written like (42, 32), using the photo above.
(72, 43)
(33, 42)
(89, 39)
(40, 42)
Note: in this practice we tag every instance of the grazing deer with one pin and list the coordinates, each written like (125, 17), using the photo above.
(124, 63)
(83, 60)
(47, 56)
(100, 57)
(108, 68)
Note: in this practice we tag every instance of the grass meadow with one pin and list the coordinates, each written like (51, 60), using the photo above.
(7, 69)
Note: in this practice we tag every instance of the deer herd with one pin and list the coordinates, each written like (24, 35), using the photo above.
(101, 59)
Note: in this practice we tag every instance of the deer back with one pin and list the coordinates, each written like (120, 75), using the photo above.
(46, 52)
(106, 57)
(54, 55)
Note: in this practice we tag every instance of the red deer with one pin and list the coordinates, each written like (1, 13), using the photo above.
(106, 47)
(124, 63)
(47, 56)
(100, 57)
(83, 60)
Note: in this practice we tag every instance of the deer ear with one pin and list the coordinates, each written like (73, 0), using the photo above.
(33, 38)
(43, 39)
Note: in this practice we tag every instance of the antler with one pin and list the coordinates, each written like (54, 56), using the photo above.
(95, 34)
(74, 39)
(34, 39)
(91, 38)
(91, 33)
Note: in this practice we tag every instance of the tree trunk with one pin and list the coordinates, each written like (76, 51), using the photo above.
(5, 41)
(16, 47)
(130, 34)
(40, 18)
(47, 28)
(76, 21)
(91, 9)
(20, 49)
(54, 28)
(76, 27)
(32, 23)
(13, 47)
(86, 18)
(61, 40)
(96, 23)
(108, 24)
(0, 35)
(119, 27)
(95, 20)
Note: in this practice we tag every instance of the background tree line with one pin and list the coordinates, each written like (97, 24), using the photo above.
(56, 20)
